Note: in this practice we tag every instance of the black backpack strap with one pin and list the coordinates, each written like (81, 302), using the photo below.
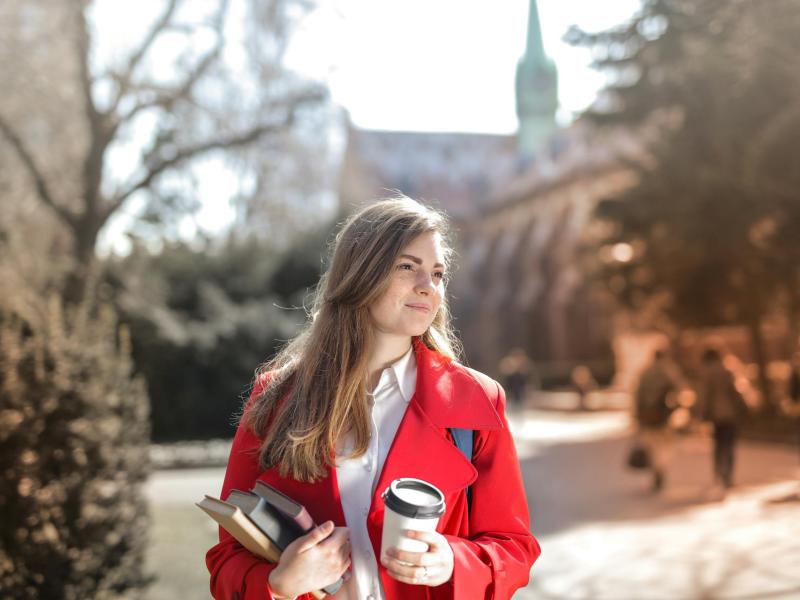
(463, 439)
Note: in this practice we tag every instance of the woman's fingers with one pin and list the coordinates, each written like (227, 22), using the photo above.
(407, 572)
(411, 558)
(432, 568)
(315, 536)
(339, 537)
(434, 540)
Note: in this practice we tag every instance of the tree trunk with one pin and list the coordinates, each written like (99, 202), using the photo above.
(84, 240)
(759, 351)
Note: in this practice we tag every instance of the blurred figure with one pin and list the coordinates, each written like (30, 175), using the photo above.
(584, 382)
(794, 380)
(652, 410)
(517, 371)
(794, 397)
(721, 404)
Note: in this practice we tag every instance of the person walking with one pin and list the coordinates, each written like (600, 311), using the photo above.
(517, 370)
(721, 404)
(371, 391)
(652, 410)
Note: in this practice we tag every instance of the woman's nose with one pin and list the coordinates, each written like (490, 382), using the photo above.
(425, 282)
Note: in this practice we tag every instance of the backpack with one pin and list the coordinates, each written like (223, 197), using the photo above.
(463, 440)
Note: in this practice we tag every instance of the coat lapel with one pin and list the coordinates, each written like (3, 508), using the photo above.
(446, 396)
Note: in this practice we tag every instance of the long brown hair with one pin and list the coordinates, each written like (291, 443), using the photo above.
(316, 389)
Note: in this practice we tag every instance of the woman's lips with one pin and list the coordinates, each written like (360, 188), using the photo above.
(420, 307)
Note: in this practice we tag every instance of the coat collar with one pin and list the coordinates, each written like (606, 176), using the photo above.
(450, 394)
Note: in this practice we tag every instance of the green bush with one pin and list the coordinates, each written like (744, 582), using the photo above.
(73, 456)
(203, 319)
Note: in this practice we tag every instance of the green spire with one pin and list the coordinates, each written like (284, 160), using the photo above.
(537, 90)
(534, 49)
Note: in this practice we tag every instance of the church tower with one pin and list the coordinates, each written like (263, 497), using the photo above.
(536, 91)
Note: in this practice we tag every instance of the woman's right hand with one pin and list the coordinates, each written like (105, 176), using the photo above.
(312, 561)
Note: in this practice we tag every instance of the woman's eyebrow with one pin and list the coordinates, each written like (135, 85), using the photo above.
(418, 260)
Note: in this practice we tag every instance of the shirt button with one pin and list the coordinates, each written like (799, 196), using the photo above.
(368, 466)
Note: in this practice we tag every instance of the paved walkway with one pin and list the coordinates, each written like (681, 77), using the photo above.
(605, 536)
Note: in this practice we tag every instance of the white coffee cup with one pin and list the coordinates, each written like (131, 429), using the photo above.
(410, 504)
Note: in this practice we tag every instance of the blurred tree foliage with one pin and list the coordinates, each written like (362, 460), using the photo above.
(73, 453)
(713, 89)
(202, 319)
(88, 133)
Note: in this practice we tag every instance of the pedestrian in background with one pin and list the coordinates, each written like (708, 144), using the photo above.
(584, 383)
(652, 409)
(517, 371)
(794, 398)
(721, 404)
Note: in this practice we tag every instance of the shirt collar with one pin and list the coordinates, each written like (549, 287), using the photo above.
(402, 373)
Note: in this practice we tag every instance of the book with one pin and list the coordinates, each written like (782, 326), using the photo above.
(279, 528)
(296, 513)
(261, 527)
(235, 522)
(289, 507)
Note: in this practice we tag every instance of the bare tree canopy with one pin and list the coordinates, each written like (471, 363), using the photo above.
(198, 79)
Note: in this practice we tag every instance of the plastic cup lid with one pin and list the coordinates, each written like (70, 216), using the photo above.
(414, 498)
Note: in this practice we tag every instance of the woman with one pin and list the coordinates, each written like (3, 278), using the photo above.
(366, 394)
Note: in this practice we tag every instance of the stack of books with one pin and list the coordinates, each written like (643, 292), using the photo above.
(264, 521)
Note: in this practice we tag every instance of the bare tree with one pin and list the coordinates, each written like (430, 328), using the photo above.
(181, 93)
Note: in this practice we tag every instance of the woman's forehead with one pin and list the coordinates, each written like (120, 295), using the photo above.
(427, 246)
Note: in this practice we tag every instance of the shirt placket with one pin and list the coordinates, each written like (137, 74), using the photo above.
(370, 466)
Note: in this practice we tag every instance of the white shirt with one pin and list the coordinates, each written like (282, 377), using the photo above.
(358, 476)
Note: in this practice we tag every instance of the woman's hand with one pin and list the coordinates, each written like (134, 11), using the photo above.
(312, 561)
(430, 568)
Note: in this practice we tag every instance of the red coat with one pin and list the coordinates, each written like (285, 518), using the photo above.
(492, 545)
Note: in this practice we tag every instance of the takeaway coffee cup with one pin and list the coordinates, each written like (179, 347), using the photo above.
(410, 504)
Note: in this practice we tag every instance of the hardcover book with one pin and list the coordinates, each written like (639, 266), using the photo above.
(264, 521)
(294, 510)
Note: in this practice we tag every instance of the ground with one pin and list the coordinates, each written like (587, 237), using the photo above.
(604, 535)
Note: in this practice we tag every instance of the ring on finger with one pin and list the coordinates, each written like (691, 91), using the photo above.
(424, 575)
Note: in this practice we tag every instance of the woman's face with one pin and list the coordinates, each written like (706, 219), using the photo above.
(416, 288)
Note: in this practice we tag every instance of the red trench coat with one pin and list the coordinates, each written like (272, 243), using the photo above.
(492, 544)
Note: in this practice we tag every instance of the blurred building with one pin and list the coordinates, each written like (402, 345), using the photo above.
(454, 171)
(521, 206)
(521, 281)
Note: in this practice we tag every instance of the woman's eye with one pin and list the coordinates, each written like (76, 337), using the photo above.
(404, 265)
(439, 274)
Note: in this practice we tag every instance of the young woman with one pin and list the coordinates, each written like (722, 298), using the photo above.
(368, 393)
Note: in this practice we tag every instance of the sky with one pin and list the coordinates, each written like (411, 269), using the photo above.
(445, 65)
(419, 65)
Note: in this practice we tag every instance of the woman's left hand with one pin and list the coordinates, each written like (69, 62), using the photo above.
(430, 568)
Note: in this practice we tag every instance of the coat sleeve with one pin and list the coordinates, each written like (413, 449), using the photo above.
(237, 573)
(497, 557)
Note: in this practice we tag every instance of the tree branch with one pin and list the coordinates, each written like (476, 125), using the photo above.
(126, 77)
(82, 50)
(36, 174)
(166, 99)
(190, 152)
